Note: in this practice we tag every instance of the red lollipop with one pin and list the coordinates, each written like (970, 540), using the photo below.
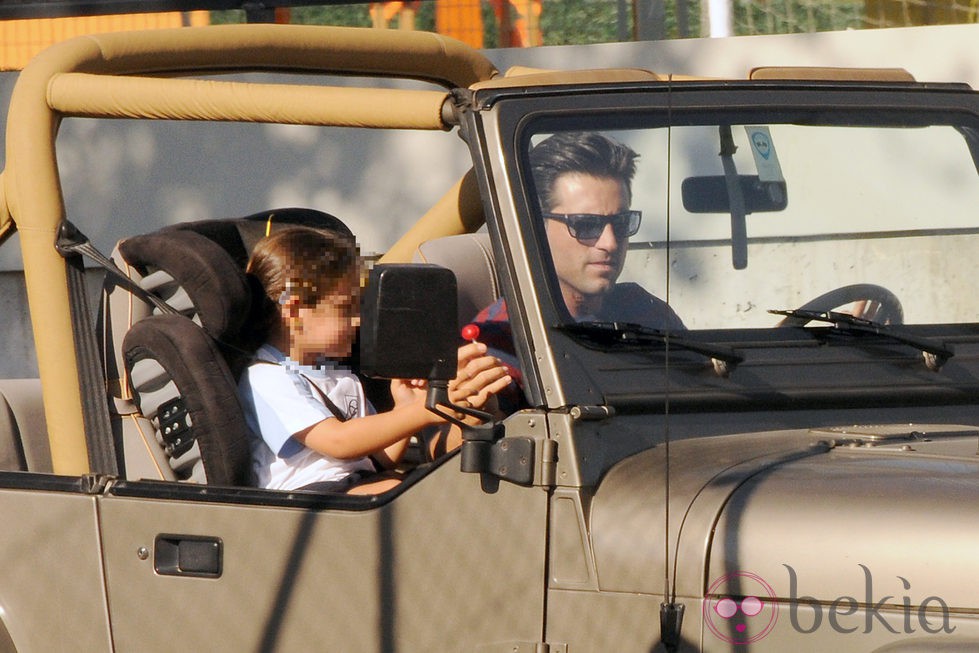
(470, 332)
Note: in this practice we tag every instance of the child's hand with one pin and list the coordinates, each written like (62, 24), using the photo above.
(478, 377)
(406, 391)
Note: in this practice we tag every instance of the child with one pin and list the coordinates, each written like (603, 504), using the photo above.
(317, 430)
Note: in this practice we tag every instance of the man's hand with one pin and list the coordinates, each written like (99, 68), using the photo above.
(478, 378)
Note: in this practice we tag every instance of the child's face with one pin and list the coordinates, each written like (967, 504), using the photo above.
(329, 328)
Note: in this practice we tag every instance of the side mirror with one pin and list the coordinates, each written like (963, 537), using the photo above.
(408, 323)
(710, 194)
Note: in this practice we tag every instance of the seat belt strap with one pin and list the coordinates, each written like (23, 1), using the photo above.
(95, 406)
(333, 408)
(329, 403)
(71, 241)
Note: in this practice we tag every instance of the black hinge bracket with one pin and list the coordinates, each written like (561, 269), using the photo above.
(486, 451)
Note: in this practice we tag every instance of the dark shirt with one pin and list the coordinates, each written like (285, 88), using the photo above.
(627, 302)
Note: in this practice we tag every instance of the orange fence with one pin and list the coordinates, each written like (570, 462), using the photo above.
(518, 21)
(22, 39)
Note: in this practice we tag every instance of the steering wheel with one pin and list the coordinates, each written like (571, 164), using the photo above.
(877, 304)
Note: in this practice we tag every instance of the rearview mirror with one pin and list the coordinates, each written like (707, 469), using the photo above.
(710, 194)
(408, 323)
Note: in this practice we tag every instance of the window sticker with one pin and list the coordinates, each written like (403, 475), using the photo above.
(763, 149)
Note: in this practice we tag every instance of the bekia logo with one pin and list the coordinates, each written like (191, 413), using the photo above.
(741, 608)
(745, 619)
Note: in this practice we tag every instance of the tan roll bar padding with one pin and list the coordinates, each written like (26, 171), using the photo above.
(197, 99)
(31, 185)
(6, 223)
(815, 73)
(516, 71)
(294, 48)
(34, 201)
(534, 77)
(459, 211)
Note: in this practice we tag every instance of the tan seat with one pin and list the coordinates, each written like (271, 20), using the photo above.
(23, 435)
(470, 257)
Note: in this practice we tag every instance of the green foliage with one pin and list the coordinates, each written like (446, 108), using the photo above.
(343, 15)
(795, 16)
(567, 22)
(354, 15)
(229, 17)
(425, 18)
(572, 22)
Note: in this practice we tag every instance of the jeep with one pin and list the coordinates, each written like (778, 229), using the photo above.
(794, 469)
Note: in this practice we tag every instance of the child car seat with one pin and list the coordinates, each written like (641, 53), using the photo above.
(173, 373)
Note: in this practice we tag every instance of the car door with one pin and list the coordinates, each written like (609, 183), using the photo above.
(52, 597)
(444, 565)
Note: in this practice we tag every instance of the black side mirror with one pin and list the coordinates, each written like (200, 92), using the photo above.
(408, 323)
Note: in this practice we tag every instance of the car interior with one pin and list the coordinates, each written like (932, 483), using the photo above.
(173, 375)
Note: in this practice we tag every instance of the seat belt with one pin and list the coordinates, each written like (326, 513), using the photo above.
(333, 408)
(71, 241)
(95, 408)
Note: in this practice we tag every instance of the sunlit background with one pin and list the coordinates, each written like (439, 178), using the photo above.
(520, 23)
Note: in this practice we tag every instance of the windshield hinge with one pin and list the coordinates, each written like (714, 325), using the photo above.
(544, 647)
(522, 647)
(548, 463)
(591, 413)
(518, 449)
(486, 451)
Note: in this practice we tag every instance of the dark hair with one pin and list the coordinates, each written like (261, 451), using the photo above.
(308, 263)
(589, 153)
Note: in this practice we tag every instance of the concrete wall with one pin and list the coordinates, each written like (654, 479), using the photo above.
(163, 173)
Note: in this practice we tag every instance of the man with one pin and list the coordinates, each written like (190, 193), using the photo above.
(584, 184)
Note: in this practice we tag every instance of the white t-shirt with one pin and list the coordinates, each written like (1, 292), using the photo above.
(279, 401)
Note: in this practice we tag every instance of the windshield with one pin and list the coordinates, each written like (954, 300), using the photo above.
(710, 222)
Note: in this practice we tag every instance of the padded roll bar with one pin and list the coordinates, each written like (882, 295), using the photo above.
(54, 85)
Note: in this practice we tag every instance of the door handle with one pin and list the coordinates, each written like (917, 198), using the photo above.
(188, 555)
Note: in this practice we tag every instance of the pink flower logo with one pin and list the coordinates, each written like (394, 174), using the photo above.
(746, 610)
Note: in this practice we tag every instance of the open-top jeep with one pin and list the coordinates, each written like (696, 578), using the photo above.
(795, 469)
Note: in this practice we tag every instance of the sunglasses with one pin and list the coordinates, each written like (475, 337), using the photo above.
(588, 226)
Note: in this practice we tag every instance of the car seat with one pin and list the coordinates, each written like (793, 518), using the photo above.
(23, 430)
(172, 374)
(470, 257)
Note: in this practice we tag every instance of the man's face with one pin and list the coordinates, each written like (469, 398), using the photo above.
(586, 269)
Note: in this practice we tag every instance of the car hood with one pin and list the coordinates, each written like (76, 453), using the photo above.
(892, 511)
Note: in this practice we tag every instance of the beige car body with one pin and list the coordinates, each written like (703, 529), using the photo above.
(573, 561)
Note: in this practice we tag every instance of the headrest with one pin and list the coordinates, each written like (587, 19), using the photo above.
(470, 257)
(195, 276)
(238, 236)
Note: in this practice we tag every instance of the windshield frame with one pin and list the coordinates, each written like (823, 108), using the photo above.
(534, 111)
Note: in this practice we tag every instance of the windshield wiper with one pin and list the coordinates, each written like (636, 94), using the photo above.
(935, 354)
(628, 334)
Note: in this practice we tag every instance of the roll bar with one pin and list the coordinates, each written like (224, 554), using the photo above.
(145, 75)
